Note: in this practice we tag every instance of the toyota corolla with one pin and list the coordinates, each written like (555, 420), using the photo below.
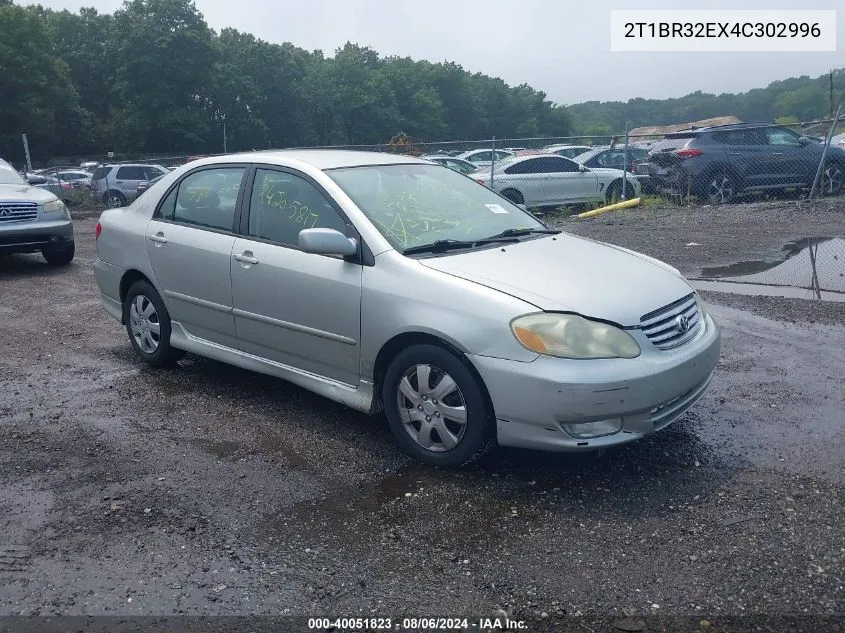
(387, 283)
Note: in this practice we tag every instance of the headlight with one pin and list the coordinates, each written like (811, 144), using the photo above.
(55, 206)
(573, 336)
(702, 307)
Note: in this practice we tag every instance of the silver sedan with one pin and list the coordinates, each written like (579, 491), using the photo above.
(387, 283)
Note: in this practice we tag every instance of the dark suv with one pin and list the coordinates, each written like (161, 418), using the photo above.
(717, 163)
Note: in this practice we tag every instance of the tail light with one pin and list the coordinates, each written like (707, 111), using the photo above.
(688, 153)
(97, 231)
(480, 181)
(67, 185)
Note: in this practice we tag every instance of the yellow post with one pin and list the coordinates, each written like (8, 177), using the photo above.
(625, 204)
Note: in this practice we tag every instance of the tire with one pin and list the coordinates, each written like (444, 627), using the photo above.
(614, 191)
(60, 257)
(113, 199)
(148, 325)
(429, 429)
(514, 196)
(720, 188)
(832, 179)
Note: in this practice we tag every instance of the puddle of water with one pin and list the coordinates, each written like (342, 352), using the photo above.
(811, 268)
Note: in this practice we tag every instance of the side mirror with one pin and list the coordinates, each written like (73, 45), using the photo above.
(804, 140)
(327, 242)
(582, 169)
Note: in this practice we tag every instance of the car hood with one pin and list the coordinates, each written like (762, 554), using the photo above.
(26, 193)
(572, 274)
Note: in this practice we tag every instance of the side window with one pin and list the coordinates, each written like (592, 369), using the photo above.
(558, 165)
(207, 198)
(531, 166)
(283, 204)
(481, 156)
(130, 173)
(780, 136)
(152, 172)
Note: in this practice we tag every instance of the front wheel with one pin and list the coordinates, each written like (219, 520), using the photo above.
(436, 407)
(720, 189)
(59, 257)
(148, 325)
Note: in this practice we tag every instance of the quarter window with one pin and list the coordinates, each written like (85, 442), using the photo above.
(283, 204)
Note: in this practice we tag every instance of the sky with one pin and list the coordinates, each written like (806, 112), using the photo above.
(561, 47)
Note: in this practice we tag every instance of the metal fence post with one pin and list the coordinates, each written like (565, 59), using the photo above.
(828, 137)
(26, 152)
(492, 160)
(625, 165)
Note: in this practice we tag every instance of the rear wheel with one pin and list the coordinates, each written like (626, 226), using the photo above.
(832, 179)
(114, 199)
(614, 191)
(514, 196)
(436, 408)
(148, 325)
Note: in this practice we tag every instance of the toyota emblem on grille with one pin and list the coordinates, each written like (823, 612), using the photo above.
(682, 323)
(5, 212)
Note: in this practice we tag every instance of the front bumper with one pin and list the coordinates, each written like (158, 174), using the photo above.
(30, 237)
(535, 401)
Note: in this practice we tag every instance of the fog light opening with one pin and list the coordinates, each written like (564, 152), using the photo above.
(592, 430)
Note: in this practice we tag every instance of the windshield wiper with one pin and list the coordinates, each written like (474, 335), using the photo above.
(438, 246)
(509, 235)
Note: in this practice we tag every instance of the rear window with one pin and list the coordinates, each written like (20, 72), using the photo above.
(99, 173)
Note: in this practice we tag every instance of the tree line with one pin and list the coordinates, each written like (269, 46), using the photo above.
(794, 100)
(154, 78)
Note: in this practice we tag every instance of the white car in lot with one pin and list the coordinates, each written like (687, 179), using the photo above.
(548, 181)
(485, 157)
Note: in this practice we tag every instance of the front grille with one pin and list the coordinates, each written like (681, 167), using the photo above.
(17, 211)
(664, 327)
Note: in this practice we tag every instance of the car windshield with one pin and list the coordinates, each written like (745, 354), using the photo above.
(416, 205)
(8, 176)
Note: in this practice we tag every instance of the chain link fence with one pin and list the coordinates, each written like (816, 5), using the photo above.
(680, 164)
(811, 268)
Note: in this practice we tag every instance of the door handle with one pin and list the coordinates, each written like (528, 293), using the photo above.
(119, 182)
(733, 153)
(158, 238)
(778, 153)
(244, 258)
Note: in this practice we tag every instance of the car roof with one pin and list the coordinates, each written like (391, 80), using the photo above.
(319, 158)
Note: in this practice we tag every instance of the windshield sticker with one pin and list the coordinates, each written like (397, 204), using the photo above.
(496, 208)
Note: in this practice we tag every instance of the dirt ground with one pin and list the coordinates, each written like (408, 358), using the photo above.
(209, 490)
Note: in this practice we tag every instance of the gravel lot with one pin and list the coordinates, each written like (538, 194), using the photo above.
(206, 489)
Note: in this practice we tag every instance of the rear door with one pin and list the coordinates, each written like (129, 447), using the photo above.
(127, 178)
(189, 244)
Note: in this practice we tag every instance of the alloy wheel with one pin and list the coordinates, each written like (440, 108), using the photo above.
(145, 325)
(432, 408)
